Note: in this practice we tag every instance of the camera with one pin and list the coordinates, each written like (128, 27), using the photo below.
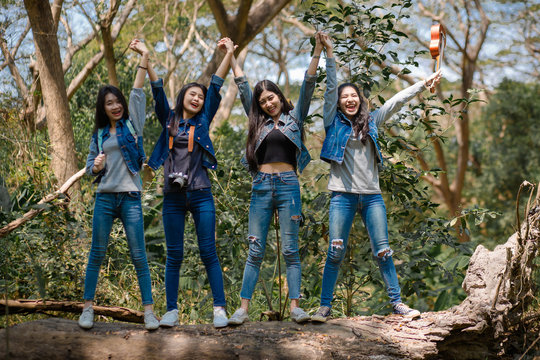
(179, 178)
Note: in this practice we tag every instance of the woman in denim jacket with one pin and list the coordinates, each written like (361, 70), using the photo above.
(352, 150)
(115, 158)
(186, 153)
(274, 151)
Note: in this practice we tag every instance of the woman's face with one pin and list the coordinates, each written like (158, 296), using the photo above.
(349, 101)
(113, 107)
(270, 103)
(193, 100)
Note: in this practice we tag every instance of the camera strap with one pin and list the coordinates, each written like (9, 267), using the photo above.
(190, 139)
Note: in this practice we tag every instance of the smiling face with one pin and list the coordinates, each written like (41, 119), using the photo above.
(349, 101)
(193, 101)
(270, 103)
(113, 107)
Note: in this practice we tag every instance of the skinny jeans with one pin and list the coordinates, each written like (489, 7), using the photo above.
(127, 207)
(343, 208)
(281, 192)
(201, 205)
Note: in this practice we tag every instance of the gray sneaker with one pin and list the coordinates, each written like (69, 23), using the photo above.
(170, 319)
(321, 315)
(239, 317)
(150, 320)
(220, 317)
(86, 320)
(405, 311)
(299, 316)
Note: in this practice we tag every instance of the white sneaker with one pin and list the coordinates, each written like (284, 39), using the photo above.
(299, 316)
(170, 319)
(405, 311)
(220, 317)
(150, 320)
(239, 317)
(86, 320)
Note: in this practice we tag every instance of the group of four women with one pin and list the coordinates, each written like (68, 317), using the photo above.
(275, 152)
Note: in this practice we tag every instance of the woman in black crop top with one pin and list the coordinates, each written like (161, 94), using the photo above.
(274, 151)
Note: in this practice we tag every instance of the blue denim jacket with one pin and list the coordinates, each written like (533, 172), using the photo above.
(201, 121)
(290, 125)
(132, 151)
(338, 127)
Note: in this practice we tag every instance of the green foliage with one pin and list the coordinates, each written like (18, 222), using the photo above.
(503, 146)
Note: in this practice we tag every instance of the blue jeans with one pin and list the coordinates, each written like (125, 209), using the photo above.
(343, 207)
(282, 192)
(127, 207)
(201, 205)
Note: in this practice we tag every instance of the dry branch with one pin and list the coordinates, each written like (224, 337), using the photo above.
(40, 306)
(34, 212)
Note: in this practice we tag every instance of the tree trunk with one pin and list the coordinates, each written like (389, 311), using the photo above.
(63, 155)
(487, 324)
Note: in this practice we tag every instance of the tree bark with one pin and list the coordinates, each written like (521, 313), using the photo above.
(499, 285)
(63, 154)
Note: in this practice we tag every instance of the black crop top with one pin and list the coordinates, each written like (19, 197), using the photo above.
(276, 147)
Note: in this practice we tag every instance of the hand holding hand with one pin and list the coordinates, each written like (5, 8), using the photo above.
(433, 79)
(325, 40)
(318, 44)
(226, 45)
(138, 46)
(99, 162)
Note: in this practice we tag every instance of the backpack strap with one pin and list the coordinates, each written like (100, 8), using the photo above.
(190, 139)
(100, 140)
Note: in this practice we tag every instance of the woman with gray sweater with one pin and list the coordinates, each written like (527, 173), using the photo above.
(352, 150)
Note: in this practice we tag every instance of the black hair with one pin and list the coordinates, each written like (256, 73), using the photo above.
(360, 120)
(179, 108)
(101, 120)
(257, 117)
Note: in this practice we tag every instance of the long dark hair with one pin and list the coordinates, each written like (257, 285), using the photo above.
(360, 120)
(179, 108)
(257, 117)
(101, 120)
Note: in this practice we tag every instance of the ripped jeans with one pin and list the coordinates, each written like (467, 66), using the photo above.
(279, 191)
(343, 208)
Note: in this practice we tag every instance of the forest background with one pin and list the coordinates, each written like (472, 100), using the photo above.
(455, 158)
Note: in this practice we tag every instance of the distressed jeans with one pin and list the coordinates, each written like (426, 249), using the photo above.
(127, 207)
(279, 191)
(201, 205)
(343, 207)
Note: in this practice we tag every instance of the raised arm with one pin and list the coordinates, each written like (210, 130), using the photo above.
(139, 47)
(397, 101)
(227, 46)
(308, 86)
(330, 95)
(137, 99)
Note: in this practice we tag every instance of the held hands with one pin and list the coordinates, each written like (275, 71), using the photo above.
(99, 163)
(138, 46)
(433, 80)
(318, 44)
(226, 45)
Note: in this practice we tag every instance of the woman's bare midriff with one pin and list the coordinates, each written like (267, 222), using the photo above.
(276, 167)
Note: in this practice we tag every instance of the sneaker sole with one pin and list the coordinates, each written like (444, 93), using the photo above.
(236, 322)
(168, 325)
(319, 319)
(301, 321)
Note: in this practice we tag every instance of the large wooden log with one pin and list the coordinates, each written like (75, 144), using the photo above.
(499, 285)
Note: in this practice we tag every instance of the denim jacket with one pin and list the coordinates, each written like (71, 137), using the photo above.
(201, 121)
(338, 127)
(131, 149)
(290, 124)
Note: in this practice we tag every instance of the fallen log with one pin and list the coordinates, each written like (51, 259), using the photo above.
(499, 285)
